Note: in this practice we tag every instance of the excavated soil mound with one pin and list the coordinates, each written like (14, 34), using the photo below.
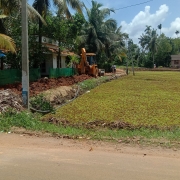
(44, 84)
(91, 125)
(8, 100)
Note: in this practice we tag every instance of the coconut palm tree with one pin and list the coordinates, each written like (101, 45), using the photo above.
(149, 41)
(42, 6)
(7, 43)
(116, 48)
(160, 27)
(148, 29)
(95, 34)
(177, 32)
(11, 7)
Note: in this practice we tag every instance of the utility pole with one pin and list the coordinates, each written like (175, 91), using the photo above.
(126, 45)
(130, 48)
(25, 55)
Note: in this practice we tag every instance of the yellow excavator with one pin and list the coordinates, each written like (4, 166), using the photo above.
(87, 64)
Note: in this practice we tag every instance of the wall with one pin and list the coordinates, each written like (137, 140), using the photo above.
(54, 61)
(63, 63)
(175, 61)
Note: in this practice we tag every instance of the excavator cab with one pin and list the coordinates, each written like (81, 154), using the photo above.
(91, 58)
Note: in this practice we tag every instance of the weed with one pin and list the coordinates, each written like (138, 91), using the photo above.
(92, 83)
(39, 102)
(32, 122)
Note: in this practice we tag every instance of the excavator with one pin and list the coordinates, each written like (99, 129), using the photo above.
(87, 64)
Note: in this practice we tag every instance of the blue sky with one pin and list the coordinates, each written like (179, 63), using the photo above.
(134, 19)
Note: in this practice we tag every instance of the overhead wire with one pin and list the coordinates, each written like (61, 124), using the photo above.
(132, 5)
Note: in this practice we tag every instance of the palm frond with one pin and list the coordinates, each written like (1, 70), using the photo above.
(2, 16)
(74, 4)
(32, 13)
(7, 6)
(7, 43)
(111, 24)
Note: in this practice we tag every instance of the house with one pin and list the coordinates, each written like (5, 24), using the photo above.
(175, 61)
(51, 61)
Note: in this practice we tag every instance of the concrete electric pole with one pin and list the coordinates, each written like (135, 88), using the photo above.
(25, 56)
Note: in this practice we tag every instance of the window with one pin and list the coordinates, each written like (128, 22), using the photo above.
(176, 62)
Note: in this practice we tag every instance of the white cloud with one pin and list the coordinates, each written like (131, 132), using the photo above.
(170, 31)
(138, 24)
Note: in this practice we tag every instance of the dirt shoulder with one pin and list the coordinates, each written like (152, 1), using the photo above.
(43, 158)
(31, 141)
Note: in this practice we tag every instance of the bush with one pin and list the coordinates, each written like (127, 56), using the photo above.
(39, 102)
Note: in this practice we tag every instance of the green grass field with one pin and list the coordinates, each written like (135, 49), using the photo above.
(147, 99)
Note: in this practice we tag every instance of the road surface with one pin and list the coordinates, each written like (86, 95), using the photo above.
(24, 157)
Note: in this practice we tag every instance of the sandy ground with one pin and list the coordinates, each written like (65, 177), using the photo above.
(47, 158)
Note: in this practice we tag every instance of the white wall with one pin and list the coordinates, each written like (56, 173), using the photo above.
(63, 64)
(54, 61)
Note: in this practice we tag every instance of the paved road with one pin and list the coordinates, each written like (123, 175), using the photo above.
(33, 158)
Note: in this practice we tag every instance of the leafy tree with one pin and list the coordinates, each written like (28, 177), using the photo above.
(63, 30)
(35, 57)
(175, 43)
(163, 57)
(12, 8)
(42, 6)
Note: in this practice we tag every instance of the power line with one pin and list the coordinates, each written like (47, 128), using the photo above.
(133, 5)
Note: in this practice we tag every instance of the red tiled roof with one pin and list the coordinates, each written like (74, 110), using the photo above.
(63, 53)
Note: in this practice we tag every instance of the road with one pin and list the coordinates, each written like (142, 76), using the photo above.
(25, 157)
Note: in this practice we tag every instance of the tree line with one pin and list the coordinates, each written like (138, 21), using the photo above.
(92, 28)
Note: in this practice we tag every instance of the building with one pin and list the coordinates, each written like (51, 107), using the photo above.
(51, 61)
(175, 61)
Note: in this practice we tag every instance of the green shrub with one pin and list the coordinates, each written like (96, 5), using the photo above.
(39, 102)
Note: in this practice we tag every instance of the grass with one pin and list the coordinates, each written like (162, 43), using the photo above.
(32, 122)
(92, 83)
(147, 99)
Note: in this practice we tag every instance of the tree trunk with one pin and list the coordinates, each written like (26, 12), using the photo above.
(127, 66)
(40, 34)
(133, 67)
(153, 58)
(2, 65)
(2, 28)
